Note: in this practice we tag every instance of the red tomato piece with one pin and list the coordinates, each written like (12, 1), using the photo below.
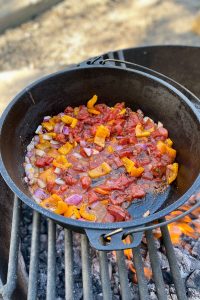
(60, 137)
(108, 218)
(137, 192)
(70, 180)
(117, 212)
(92, 197)
(160, 132)
(42, 162)
(86, 182)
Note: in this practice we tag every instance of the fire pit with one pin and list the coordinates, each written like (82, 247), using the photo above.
(61, 265)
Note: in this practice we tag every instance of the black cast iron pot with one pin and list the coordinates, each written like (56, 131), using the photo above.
(157, 96)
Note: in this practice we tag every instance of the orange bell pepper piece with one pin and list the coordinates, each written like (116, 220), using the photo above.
(102, 133)
(101, 191)
(99, 171)
(163, 148)
(48, 175)
(130, 167)
(65, 149)
(171, 172)
(85, 214)
(44, 145)
(55, 204)
(61, 162)
(72, 210)
(69, 120)
(48, 126)
(91, 102)
(140, 132)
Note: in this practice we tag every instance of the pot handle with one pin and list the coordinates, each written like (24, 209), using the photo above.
(98, 240)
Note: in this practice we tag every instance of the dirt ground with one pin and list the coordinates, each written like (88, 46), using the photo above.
(75, 30)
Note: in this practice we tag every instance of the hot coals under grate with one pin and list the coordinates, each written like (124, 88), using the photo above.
(61, 265)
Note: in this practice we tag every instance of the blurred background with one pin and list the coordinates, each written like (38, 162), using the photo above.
(38, 37)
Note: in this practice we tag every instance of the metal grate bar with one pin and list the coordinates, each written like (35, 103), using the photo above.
(51, 261)
(178, 282)
(86, 272)
(142, 283)
(8, 289)
(33, 271)
(123, 275)
(68, 265)
(155, 264)
(105, 280)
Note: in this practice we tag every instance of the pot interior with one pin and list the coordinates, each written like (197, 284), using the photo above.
(51, 95)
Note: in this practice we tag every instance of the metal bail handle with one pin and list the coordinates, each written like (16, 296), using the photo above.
(98, 240)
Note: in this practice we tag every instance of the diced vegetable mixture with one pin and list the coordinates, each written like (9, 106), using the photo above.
(91, 162)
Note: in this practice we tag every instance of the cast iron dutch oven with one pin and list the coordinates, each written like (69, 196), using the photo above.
(156, 95)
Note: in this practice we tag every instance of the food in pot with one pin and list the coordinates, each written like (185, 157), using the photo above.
(91, 162)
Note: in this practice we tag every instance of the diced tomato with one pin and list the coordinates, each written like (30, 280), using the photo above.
(43, 161)
(118, 161)
(92, 197)
(160, 132)
(86, 182)
(60, 137)
(137, 192)
(117, 212)
(124, 141)
(83, 113)
(70, 180)
(68, 110)
(125, 152)
(108, 218)
(50, 186)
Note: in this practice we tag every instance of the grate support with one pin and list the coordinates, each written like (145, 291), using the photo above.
(178, 282)
(33, 271)
(86, 270)
(51, 261)
(123, 275)
(68, 265)
(105, 280)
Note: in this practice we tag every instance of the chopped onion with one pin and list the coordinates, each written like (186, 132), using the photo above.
(82, 143)
(29, 154)
(54, 142)
(66, 130)
(94, 151)
(142, 146)
(74, 199)
(47, 137)
(55, 146)
(160, 124)
(37, 200)
(57, 128)
(46, 118)
(39, 129)
(57, 170)
(77, 155)
(59, 181)
(39, 193)
(39, 152)
(26, 179)
(31, 146)
(36, 139)
(88, 151)
(27, 160)
(118, 148)
(41, 183)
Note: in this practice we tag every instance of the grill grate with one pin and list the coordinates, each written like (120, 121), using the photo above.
(8, 289)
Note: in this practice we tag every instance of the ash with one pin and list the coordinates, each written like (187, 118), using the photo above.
(188, 260)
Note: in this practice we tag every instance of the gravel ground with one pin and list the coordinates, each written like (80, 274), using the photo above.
(75, 30)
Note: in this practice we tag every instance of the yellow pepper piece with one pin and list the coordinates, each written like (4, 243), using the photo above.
(52, 134)
(61, 208)
(102, 133)
(53, 153)
(169, 142)
(101, 191)
(93, 111)
(69, 120)
(123, 111)
(111, 122)
(91, 102)
(163, 148)
(130, 167)
(44, 145)
(65, 149)
(61, 162)
(48, 126)
(48, 175)
(171, 172)
(105, 202)
(140, 132)
(55, 203)
(72, 210)
(110, 149)
(76, 111)
(99, 171)
(85, 214)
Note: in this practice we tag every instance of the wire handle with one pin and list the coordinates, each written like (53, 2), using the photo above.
(154, 226)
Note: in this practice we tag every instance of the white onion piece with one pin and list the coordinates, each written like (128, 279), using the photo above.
(118, 148)
(39, 129)
(40, 193)
(65, 130)
(39, 152)
(94, 151)
(46, 118)
(41, 183)
(82, 143)
(54, 142)
(59, 181)
(57, 170)
(88, 151)
(36, 139)
(27, 160)
(37, 200)
(77, 155)
(74, 199)
(47, 137)
(31, 146)
(160, 125)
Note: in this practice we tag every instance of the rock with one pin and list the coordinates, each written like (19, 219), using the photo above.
(193, 280)
(196, 249)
